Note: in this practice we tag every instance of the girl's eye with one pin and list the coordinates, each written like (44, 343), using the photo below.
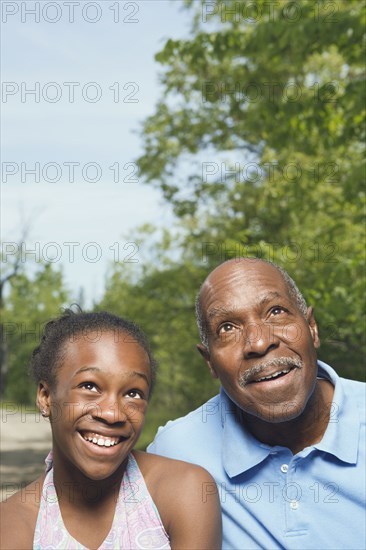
(135, 394)
(89, 386)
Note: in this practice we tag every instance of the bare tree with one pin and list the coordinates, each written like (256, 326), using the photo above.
(10, 269)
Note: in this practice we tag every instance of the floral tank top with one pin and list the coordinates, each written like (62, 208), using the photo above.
(136, 523)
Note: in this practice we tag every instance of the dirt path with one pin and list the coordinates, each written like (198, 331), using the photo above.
(25, 440)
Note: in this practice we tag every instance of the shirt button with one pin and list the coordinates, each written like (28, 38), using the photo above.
(294, 504)
(284, 468)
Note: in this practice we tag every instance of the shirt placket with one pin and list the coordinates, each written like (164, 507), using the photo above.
(293, 498)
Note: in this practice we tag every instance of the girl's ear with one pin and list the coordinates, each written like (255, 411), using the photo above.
(44, 399)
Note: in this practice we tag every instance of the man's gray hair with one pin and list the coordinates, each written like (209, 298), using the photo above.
(290, 283)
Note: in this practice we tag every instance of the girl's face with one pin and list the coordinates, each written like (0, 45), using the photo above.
(97, 409)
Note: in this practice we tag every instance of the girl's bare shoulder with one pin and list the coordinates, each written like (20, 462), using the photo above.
(186, 497)
(154, 467)
(166, 478)
(19, 516)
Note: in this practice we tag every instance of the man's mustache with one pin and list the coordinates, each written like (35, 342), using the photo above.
(278, 362)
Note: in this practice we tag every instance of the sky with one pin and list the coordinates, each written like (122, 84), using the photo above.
(78, 79)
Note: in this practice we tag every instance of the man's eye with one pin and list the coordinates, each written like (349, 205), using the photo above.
(135, 394)
(89, 386)
(277, 310)
(225, 328)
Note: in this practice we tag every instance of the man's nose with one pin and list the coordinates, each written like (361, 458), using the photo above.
(259, 339)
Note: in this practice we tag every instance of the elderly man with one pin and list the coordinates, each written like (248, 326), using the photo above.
(285, 438)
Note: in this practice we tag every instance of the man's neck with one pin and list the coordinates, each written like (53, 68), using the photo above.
(301, 432)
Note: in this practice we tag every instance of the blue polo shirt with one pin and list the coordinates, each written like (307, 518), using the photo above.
(271, 498)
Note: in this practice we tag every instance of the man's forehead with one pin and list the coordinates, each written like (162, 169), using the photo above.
(228, 278)
(244, 270)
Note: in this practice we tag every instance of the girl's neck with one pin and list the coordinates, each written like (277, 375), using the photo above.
(75, 489)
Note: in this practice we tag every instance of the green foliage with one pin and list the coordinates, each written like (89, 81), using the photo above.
(30, 303)
(262, 87)
(258, 143)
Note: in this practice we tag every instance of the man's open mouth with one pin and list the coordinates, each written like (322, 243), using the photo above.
(101, 440)
(270, 370)
(272, 376)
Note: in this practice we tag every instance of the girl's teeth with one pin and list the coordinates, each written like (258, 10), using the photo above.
(100, 441)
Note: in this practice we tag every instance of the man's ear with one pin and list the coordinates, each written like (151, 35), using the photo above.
(206, 356)
(44, 398)
(313, 327)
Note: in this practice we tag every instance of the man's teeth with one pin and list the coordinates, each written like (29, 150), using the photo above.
(272, 376)
(102, 441)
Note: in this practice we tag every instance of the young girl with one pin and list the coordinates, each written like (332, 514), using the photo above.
(95, 373)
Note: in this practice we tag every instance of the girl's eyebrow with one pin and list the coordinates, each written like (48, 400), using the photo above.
(85, 369)
(140, 375)
(97, 369)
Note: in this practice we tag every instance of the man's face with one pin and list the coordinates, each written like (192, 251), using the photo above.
(260, 345)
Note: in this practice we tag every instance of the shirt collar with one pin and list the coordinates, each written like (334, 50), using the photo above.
(340, 438)
(238, 457)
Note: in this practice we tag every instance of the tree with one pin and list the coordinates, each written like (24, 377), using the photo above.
(7, 275)
(31, 302)
(258, 143)
(290, 83)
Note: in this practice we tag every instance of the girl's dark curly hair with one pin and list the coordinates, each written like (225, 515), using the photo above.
(48, 356)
